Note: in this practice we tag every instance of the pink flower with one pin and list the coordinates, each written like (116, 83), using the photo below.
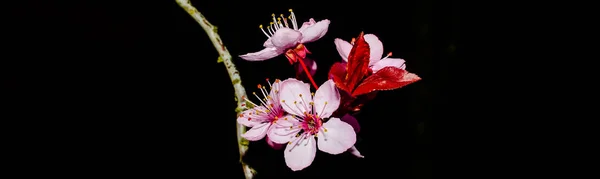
(311, 120)
(287, 38)
(375, 62)
(262, 117)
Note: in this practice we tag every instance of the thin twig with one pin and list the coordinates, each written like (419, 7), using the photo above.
(225, 57)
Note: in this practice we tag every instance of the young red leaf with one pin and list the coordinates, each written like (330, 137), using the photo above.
(387, 78)
(338, 73)
(358, 62)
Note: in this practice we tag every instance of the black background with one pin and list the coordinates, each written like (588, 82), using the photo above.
(137, 90)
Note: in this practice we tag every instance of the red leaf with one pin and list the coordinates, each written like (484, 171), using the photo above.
(387, 78)
(358, 62)
(338, 73)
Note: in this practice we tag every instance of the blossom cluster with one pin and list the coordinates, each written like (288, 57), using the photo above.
(288, 115)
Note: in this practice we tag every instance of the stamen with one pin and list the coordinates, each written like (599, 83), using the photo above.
(304, 103)
(253, 104)
(270, 86)
(269, 28)
(293, 19)
(279, 22)
(388, 55)
(267, 97)
(323, 109)
(263, 30)
(353, 40)
(261, 101)
(284, 21)
(295, 109)
(275, 22)
(324, 135)
(297, 141)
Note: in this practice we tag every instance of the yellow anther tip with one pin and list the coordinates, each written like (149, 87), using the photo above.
(290, 10)
(273, 14)
(271, 23)
(260, 26)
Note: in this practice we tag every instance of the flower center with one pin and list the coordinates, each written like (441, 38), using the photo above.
(274, 111)
(311, 123)
(277, 24)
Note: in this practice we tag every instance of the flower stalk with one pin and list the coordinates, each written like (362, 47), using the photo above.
(225, 57)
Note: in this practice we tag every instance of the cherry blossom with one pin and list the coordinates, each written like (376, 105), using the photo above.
(310, 126)
(262, 117)
(288, 38)
(376, 63)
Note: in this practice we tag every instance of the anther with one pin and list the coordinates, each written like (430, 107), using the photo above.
(300, 95)
(353, 40)
(259, 86)
(283, 101)
(294, 102)
(312, 93)
(324, 129)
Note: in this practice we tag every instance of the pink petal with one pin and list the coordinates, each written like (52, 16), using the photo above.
(250, 117)
(352, 121)
(393, 62)
(268, 43)
(274, 94)
(327, 99)
(315, 31)
(257, 132)
(339, 137)
(301, 155)
(355, 152)
(280, 131)
(305, 25)
(343, 47)
(264, 54)
(376, 48)
(289, 95)
(274, 145)
(286, 38)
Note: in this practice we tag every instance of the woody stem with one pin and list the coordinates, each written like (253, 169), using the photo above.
(234, 75)
(307, 72)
